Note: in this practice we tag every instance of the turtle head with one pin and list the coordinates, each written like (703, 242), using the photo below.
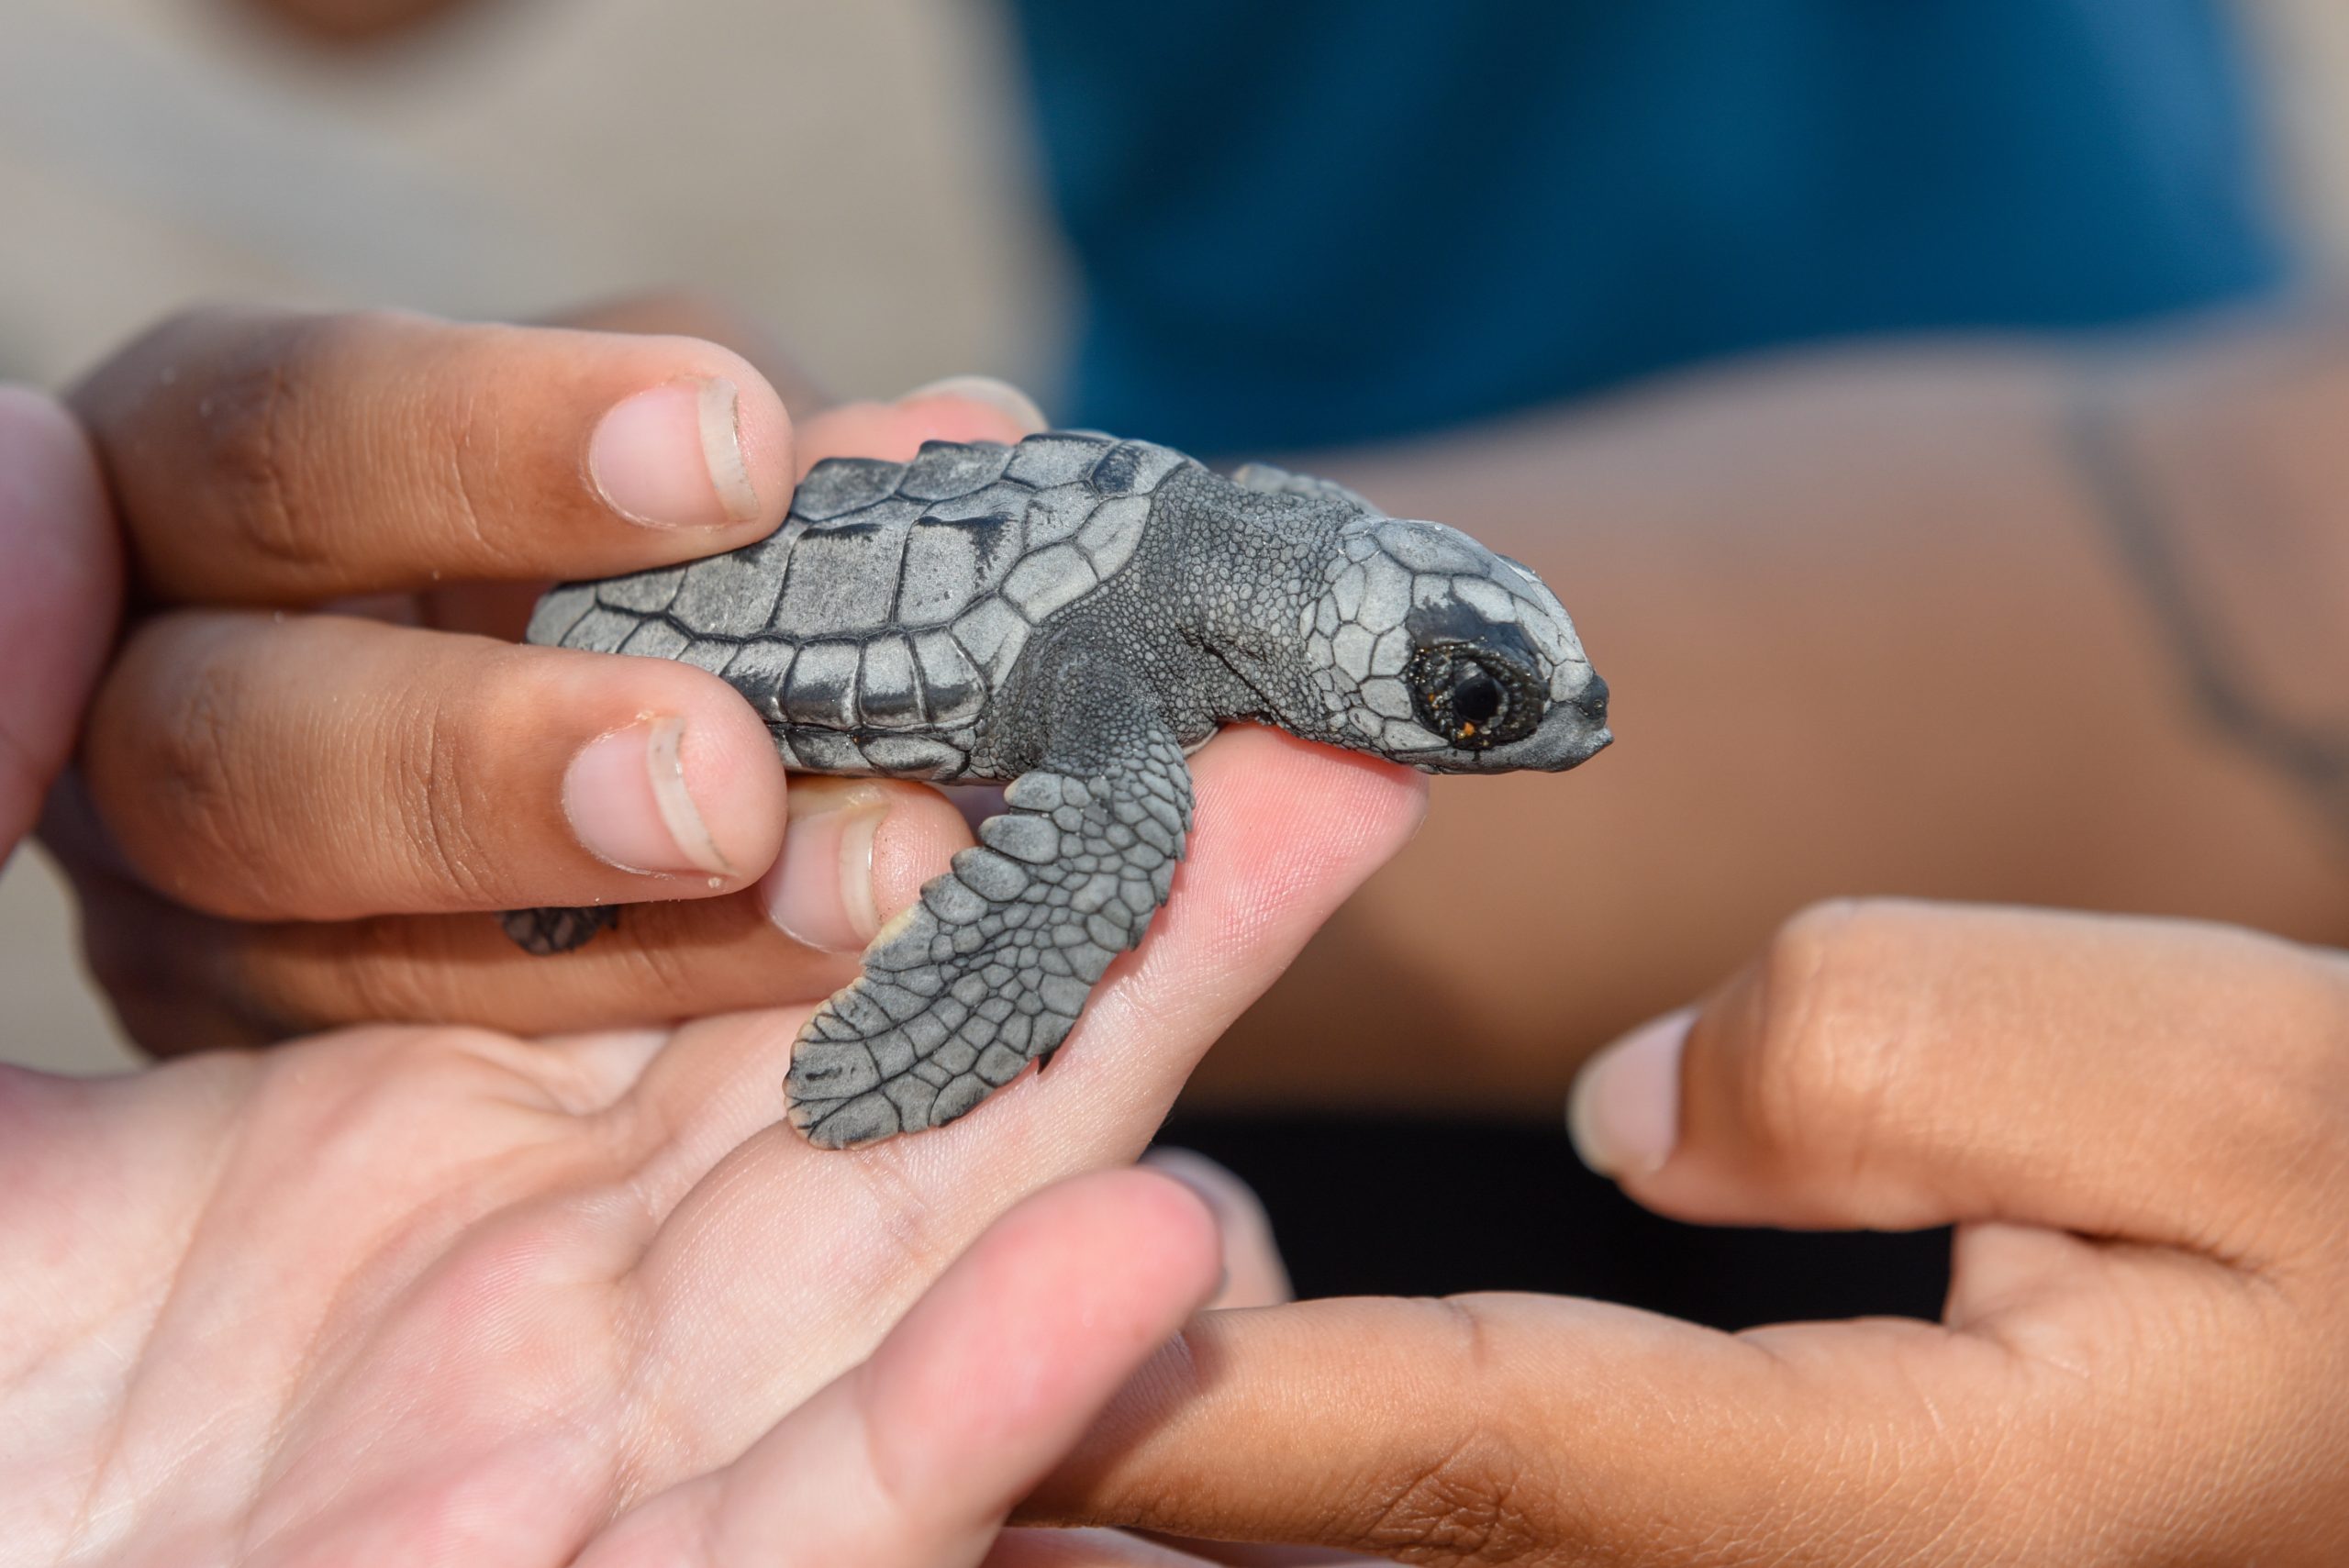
(1431, 649)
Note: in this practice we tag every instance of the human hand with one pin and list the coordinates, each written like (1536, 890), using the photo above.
(2141, 1131)
(59, 598)
(293, 820)
(438, 1296)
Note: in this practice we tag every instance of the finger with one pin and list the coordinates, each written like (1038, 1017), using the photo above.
(1283, 832)
(957, 408)
(685, 313)
(59, 596)
(1233, 1555)
(266, 457)
(953, 408)
(1082, 1548)
(223, 982)
(1517, 1428)
(855, 853)
(913, 1457)
(666, 783)
(961, 408)
(1892, 1066)
(1253, 1275)
(1504, 1429)
(322, 767)
(1886, 1065)
(1117, 1548)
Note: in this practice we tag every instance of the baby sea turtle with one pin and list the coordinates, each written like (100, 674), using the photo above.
(1072, 614)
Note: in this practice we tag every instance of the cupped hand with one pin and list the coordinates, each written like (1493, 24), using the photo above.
(438, 1295)
(2140, 1129)
(309, 774)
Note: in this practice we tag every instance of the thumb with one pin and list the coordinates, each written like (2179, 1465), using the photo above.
(914, 1457)
(1253, 1274)
(59, 598)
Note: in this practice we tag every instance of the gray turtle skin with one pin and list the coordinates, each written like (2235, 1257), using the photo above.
(1073, 614)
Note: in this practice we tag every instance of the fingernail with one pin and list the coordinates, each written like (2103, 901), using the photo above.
(626, 797)
(671, 457)
(1624, 1111)
(1000, 396)
(819, 893)
(1197, 1171)
(1182, 1165)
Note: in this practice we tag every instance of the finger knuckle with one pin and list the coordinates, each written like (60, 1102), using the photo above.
(2290, 1112)
(201, 766)
(1472, 1500)
(1816, 1075)
(250, 424)
(1464, 1506)
(477, 469)
(455, 466)
(436, 798)
(2309, 999)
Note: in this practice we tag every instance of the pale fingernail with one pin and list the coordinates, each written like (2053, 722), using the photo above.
(626, 797)
(671, 457)
(1197, 1171)
(1000, 396)
(819, 893)
(1624, 1111)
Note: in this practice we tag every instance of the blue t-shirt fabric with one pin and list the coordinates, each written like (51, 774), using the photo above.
(1303, 222)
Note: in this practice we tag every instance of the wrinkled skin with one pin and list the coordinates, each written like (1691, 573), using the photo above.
(424, 1295)
(438, 1296)
(333, 525)
(2140, 1129)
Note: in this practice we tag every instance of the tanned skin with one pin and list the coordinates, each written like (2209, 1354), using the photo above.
(1956, 620)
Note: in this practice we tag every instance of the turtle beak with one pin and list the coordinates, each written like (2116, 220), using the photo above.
(1572, 733)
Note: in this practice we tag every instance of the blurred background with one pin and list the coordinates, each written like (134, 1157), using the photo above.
(853, 175)
(859, 177)
(866, 180)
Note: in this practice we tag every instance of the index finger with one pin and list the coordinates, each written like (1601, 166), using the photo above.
(1516, 1429)
(276, 457)
(1889, 1066)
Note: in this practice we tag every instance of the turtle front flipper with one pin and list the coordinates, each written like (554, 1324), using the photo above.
(554, 928)
(989, 971)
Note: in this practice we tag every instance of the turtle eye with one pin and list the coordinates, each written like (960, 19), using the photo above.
(1472, 696)
(1477, 696)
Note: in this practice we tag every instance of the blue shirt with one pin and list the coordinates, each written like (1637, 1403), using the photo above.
(1308, 221)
